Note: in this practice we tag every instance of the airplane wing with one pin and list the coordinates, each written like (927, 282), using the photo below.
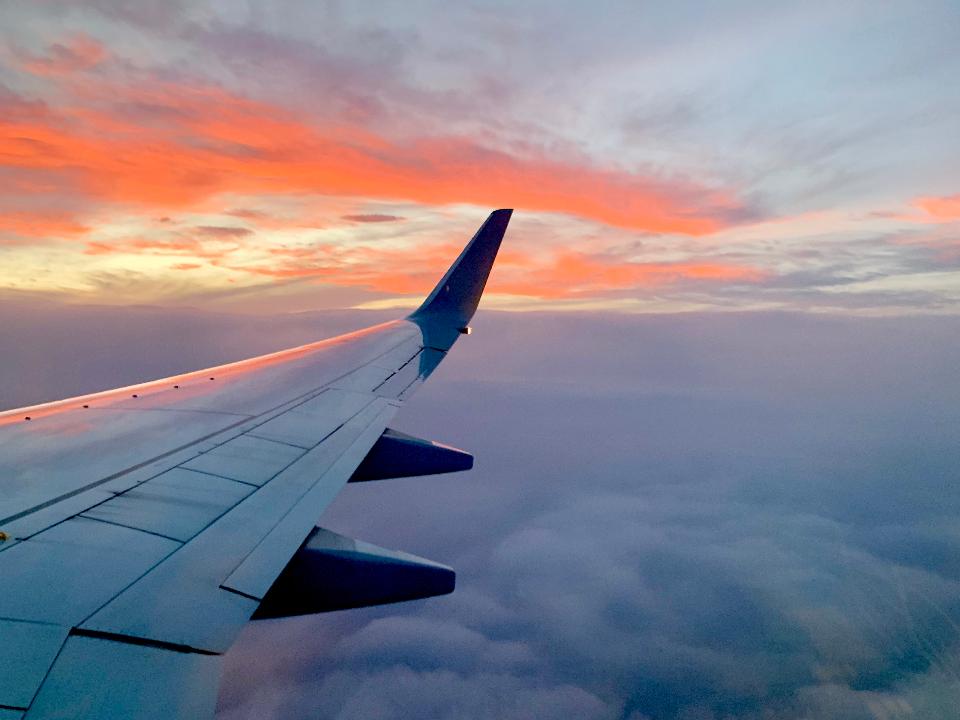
(142, 527)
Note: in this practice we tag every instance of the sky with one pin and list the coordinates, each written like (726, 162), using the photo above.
(712, 391)
(288, 156)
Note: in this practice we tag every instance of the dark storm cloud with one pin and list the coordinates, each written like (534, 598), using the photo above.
(697, 516)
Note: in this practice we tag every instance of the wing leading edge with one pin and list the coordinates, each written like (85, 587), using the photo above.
(143, 527)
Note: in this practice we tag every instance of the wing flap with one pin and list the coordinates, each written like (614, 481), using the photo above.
(260, 568)
(65, 573)
(101, 678)
(185, 601)
(38, 645)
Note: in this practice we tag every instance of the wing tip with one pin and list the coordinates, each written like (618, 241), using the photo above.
(454, 300)
(458, 292)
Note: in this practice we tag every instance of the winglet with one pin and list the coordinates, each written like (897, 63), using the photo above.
(454, 300)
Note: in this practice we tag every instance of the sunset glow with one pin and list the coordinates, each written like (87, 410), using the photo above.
(172, 172)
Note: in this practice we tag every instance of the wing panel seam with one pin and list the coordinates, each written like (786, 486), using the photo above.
(123, 525)
(134, 640)
(380, 409)
(303, 494)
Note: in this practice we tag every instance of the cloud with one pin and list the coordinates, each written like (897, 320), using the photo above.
(372, 218)
(559, 275)
(169, 145)
(77, 53)
(751, 531)
(397, 693)
(942, 208)
(706, 515)
(46, 225)
(570, 274)
(215, 246)
(282, 220)
(664, 180)
(220, 231)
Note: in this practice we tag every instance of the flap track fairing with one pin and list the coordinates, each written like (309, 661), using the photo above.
(334, 572)
(397, 455)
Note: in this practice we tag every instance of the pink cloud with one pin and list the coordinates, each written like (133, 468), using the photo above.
(174, 146)
(74, 54)
(941, 208)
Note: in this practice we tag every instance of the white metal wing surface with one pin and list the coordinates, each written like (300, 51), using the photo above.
(143, 527)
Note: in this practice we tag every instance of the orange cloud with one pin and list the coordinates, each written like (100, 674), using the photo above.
(941, 208)
(74, 54)
(565, 275)
(170, 146)
(393, 270)
(176, 244)
(35, 224)
(572, 274)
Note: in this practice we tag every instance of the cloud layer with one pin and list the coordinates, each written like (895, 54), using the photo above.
(699, 516)
(158, 144)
